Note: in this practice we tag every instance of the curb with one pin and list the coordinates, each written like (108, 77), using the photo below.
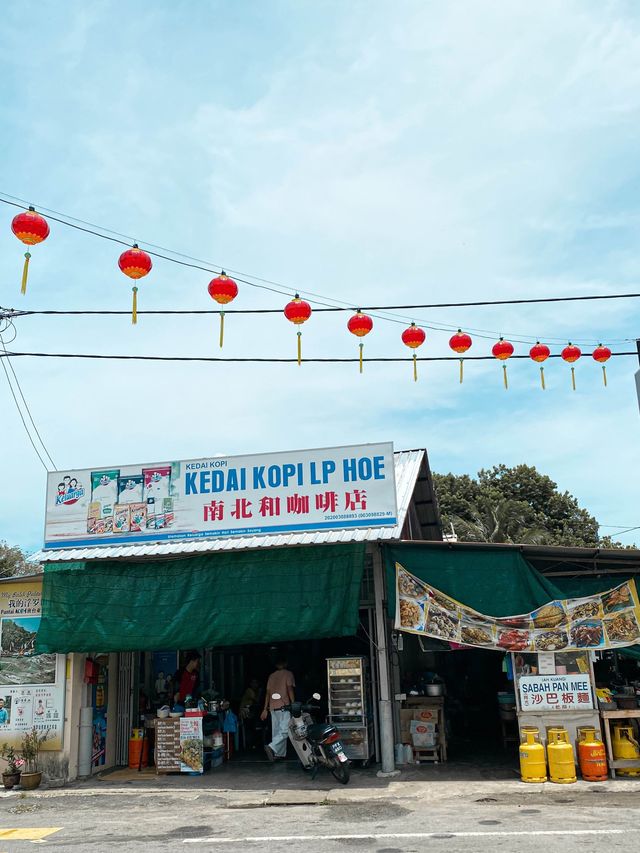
(432, 791)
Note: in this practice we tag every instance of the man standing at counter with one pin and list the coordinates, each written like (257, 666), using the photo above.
(188, 678)
(280, 681)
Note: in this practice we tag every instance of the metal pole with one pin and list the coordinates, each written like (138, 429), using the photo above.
(637, 374)
(386, 707)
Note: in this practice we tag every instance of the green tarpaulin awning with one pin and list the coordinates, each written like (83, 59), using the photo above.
(494, 581)
(223, 599)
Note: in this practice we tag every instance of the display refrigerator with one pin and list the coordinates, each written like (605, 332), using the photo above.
(350, 705)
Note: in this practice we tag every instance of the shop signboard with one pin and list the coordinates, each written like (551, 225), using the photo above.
(191, 745)
(555, 692)
(606, 621)
(294, 491)
(32, 687)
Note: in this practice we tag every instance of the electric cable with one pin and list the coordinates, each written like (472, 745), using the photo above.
(24, 424)
(269, 360)
(24, 401)
(275, 287)
(485, 334)
(333, 308)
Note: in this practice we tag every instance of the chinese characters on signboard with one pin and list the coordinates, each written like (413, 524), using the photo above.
(555, 692)
(329, 489)
(31, 686)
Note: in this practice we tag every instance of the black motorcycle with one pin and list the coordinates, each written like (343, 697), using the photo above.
(316, 744)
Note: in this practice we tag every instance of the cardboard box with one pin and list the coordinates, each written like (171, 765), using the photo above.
(406, 717)
(421, 735)
(426, 715)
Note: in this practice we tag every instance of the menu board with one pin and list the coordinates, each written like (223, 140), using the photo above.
(191, 746)
(606, 621)
(168, 746)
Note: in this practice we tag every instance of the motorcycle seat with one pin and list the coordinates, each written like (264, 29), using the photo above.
(318, 731)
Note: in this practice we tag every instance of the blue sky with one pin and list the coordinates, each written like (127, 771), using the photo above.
(375, 153)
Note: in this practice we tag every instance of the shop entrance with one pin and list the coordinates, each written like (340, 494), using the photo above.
(232, 681)
(474, 696)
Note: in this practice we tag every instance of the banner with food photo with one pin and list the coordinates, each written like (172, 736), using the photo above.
(605, 621)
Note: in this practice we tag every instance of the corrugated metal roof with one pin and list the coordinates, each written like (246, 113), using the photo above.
(408, 464)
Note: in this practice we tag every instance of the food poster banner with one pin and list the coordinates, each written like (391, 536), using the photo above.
(605, 621)
(334, 488)
(32, 687)
(191, 745)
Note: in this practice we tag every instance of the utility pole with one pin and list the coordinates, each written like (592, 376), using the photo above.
(638, 371)
(385, 708)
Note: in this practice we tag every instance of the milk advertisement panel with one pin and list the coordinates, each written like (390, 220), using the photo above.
(328, 489)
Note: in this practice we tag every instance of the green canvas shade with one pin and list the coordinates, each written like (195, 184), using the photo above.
(222, 599)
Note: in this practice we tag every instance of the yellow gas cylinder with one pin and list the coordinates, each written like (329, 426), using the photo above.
(562, 762)
(533, 764)
(625, 747)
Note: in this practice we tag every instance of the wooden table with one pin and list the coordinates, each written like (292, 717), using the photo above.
(618, 715)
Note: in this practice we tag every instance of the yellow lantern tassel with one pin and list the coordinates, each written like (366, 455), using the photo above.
(461, 370)
(604, 375)
(573, 378)
(25, 272)
(361, 347)
(506, 381)
(415, 367)
(134, 310)
(299, 348)
(221, 328)
(542, 378)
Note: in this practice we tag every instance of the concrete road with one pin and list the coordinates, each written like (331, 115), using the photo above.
(198, 820)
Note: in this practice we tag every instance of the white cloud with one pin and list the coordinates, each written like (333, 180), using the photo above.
(408, 153)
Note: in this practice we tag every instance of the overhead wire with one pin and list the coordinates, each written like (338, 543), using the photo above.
(275, 287)
(22, 397)
(5, 360)
(267, 359)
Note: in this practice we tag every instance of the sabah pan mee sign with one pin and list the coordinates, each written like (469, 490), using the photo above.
(605, 621)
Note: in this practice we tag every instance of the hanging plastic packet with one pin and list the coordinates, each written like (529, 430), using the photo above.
(138, 517)
(121, 518)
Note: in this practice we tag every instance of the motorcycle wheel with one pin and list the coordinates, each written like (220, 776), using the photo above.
(340, 770)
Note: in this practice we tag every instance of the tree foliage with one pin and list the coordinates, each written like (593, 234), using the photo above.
(14, 562)
(517, 505)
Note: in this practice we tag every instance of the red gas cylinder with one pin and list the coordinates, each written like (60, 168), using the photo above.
(592, 757)
(136, 747)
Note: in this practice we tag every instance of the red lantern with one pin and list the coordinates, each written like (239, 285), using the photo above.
(570, 354)
(31, 229)
(602, 354)
(414, 337)
(539, 353)
(460, 343)
(224, 290)
(298, 312)
(502, 350)
(360, 324)
(136, 264)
